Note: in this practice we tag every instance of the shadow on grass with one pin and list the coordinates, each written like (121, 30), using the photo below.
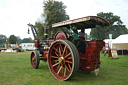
(80, 77)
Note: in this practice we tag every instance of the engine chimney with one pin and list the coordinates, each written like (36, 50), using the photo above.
(45, 32)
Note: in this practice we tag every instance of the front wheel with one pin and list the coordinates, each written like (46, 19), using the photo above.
(35, 59)
(63, 59)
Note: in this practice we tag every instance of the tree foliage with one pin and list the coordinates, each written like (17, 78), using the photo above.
(40, 29)
(87, 36)
(3, 39)
(53, 12)
(116, 27)
(18, 40)
(27, 40)
(12, 39)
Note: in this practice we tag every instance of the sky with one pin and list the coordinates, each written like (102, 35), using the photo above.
(16, 14)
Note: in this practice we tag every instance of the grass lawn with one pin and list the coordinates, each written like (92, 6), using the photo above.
(15, 69)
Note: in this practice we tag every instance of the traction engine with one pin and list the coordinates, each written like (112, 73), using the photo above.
(63, 56)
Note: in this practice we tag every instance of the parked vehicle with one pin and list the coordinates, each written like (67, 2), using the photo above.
(27, 46)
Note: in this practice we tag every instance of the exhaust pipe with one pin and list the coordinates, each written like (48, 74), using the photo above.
(45, 32)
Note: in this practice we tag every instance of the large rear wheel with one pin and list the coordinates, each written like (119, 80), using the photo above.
(63, 59)
(35, 59)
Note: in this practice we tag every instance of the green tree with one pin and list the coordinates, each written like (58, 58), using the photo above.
(87, 36)
(54, 11)
(27, 40)
(40, 29)
(12, 39)
(116, 27)
(3, 38)
(18, 40)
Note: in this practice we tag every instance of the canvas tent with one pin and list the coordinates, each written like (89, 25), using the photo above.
(121, 42)
(16, 46)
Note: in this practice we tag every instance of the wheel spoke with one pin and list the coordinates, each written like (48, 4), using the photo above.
(59, 70)
(54, 57)
(68, 61)
(67, 68)
(34, 62)
(56, 54)
(58, 66)
(61, 47)
(59, 51)
(55, 64)
(65, 71)
(56, 49)
(69, 58)
(55, 60)
(67, 55)
(64, 50)
(33, 59)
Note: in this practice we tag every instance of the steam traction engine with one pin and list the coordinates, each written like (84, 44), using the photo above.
(63, 56)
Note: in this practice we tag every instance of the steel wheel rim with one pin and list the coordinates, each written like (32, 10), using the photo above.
(60, 60)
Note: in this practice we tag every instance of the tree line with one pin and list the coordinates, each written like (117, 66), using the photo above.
(12, 39)
(116, 27)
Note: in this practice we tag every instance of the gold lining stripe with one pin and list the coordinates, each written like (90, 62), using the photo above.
(45, 34)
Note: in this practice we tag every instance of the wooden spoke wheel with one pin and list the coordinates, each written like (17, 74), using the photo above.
(63, 59)
(35, 59)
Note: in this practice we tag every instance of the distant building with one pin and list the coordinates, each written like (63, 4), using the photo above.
(27, 46)
(121, 44)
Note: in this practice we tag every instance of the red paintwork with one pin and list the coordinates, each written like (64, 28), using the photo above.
(46, 48)
(60, 35)
(91, 59)
(45, 54)
(50, 42)
(36, 42)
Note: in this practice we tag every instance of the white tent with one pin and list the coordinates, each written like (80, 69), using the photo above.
(121, 42)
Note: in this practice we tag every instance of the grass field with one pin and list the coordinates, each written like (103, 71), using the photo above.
(15, 69)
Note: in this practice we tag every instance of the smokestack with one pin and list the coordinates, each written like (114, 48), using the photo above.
(45, 32)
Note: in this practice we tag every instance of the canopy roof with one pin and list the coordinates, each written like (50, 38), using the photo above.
(84, 22)
(121, 42)
(121, 39)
